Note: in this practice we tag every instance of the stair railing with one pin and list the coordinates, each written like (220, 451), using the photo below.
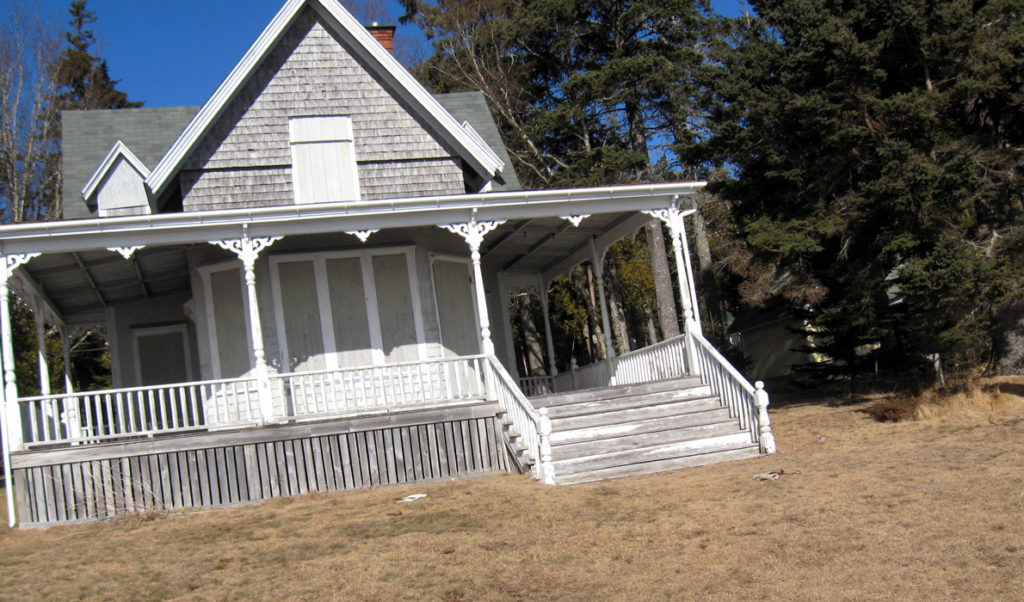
(533, 425)
(748, 403)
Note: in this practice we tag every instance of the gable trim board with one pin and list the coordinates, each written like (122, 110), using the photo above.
(365, 47)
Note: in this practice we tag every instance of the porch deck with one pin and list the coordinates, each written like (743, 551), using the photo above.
(92, 456)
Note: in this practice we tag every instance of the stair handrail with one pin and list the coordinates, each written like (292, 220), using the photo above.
(748, 402)
(533, 425)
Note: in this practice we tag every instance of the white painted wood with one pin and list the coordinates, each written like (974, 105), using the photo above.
(248, 250)
(203, 226)
(323, 159)
(473, 232)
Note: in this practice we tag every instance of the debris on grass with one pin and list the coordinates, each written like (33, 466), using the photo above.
(411, 498)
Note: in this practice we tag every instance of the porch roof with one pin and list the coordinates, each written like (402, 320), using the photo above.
(80, 275)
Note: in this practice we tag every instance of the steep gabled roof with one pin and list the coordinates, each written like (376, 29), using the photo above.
(470, 147)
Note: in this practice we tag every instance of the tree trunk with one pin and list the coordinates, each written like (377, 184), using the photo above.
(618, 314)
(663, 288)
(593, 311)
(533, 349)
(708, 288)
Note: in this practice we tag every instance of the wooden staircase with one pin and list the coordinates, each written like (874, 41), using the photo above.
(639, 429)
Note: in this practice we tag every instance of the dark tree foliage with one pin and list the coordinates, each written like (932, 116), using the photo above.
(873, 155)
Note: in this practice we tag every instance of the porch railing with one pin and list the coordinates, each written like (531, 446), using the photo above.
(531, 425)
(381, 388)
(97, 416)
(746, 402)
(662, 360)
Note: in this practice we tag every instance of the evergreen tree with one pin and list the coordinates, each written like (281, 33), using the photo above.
(873, 154)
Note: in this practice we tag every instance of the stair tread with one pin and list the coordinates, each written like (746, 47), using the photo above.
(609, 445)
(623, 415)
(738, 453)
(634, 427)
(615, 391)
(581, 408)
(653, 453)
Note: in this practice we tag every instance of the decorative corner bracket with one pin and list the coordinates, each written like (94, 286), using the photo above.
(575, 220)
(362, 235)
(247, 249)
(473, 231)
(126, 252)
(15, 261)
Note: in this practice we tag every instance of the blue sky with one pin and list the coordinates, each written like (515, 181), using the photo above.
(176, 52)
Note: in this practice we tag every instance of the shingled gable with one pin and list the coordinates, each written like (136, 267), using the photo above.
(468, 145)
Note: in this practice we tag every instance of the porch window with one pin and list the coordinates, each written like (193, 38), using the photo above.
(227, 318)
(347, 309)
(323, 159)
(456, 307)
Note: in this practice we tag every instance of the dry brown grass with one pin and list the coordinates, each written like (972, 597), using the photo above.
(922, 510)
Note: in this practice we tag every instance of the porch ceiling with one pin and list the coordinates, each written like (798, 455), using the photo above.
(538, 245)
(82, 284)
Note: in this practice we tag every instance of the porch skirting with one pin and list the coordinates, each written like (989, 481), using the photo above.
(228, 468)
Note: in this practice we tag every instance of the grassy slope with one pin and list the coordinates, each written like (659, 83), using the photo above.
(923, 510)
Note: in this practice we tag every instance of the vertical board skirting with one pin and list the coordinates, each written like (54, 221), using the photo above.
(74, 491)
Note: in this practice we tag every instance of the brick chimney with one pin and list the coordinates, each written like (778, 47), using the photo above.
(385, 34)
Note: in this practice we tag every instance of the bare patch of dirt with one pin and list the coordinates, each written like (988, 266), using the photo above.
(919, 510)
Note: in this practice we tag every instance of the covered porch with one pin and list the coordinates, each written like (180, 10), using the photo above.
(430, 347)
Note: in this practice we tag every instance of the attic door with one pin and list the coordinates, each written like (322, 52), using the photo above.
(347, 309)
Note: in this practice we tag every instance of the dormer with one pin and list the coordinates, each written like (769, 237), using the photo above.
(118, 186)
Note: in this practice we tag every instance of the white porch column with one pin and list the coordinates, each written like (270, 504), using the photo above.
(44, 366)
(473, 232)
(71, 418)
(542, 287)
(597, 259)
(11, 415)
(248, 250)
(13, 440)
(673, 218)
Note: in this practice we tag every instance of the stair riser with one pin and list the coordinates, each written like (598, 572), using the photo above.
(652, 453)
(616, 392)
(604, 405)
(639, 441)
(658, 466)
(644, 413)
(635, 427)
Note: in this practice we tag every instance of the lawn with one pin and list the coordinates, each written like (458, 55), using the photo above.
(923, 510)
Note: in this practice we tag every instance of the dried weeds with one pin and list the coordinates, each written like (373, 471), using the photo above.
(917, 510)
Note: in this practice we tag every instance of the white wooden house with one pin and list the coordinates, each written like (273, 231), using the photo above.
(304, 285)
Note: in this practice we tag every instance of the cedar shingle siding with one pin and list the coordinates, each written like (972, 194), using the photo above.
(245, 158)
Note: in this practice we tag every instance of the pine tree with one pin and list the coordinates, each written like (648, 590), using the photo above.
(873, 154)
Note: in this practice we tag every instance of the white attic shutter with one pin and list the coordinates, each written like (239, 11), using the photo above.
(323, 159)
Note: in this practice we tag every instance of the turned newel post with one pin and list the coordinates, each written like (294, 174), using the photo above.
(473, 233)
(546, 472)
(764, 424)
(248, 250)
